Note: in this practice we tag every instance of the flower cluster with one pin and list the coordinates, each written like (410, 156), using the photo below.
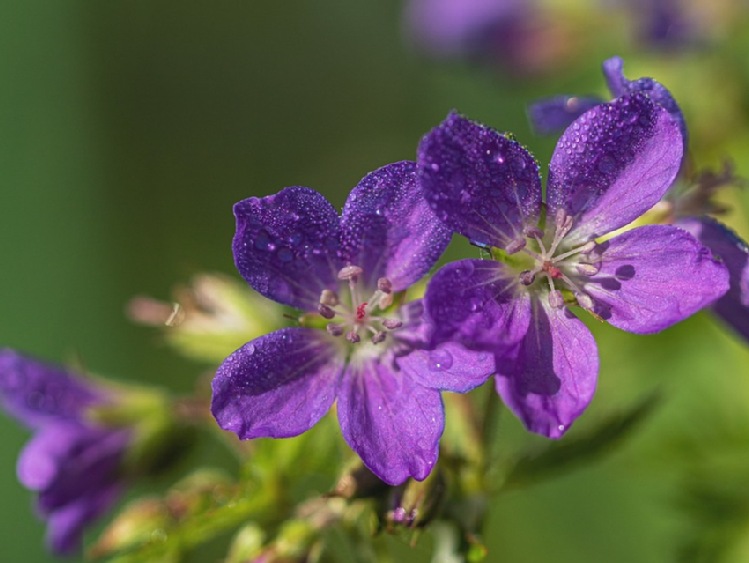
(73, 464)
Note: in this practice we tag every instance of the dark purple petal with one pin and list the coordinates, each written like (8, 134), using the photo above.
(733, 307)
(473, 302)
(483, 185)
(613, 164)
(448, 367)
(550, 377)
(393, 423)
(652, 277)
(389, 230)
(65, 526)
(287, 246)
(37, 393)
(613, 70)
(551, 115)
(89, 461)
(278, 385)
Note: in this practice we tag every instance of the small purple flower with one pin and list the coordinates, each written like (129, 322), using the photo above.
(356, 344)
(73, 464)
(610, 166)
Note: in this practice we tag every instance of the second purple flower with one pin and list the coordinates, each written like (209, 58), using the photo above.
(610, 166)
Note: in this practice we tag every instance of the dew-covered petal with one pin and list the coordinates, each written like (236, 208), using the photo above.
(472, 302)
(652, 277)
(482, 184)
(613, 70)
(66, 525)
(287, 246)
(733, 307)
(612, 164)
(393, 423)
(550, 377)
(389, 230)
(37, 393)
(278, 385)
(448, 367)
(551, 115)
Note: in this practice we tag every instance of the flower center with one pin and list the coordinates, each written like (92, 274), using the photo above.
(355, 316)
(561, 265)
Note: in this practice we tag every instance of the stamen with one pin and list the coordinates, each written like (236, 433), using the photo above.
(385, 285)
(584, 300)
(527, 277)
(584, 249)
(334, 329)
(350, 273)
(391, 324)
(587, 269)
(515, 246)
(378, 337)
(325, 311)
(353, 337)
(385, 301)
(556, 299)
(533, 232)
(329, 298)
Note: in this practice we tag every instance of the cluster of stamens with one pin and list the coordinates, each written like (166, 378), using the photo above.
(560, 269)
(358, 316)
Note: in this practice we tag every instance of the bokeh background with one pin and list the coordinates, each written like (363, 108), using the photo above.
(128, 130)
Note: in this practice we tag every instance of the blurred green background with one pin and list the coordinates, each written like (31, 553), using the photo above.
(128, 130)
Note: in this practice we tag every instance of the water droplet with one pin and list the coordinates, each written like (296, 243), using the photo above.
(475, 305)
(560, 427)
(285, 255)
(440, 360)
(249, 349)
(435, 167)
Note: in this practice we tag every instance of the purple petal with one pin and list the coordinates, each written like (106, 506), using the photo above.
(65, 526)
(613, 70)
(652, 277)
(552, 115)
(389, 229)
(550, 377)
(448, 367)
(733, 307)
(278, 385)
(472, 302)
(89, 462)
(37, 393)
(480, 183)
(613, 164)
(393, 423)
(287, 246)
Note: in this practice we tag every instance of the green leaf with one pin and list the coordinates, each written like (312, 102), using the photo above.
(576, 449)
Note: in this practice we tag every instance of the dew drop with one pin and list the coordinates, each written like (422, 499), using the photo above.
(475, 305)
(560, 427)
(440, 360)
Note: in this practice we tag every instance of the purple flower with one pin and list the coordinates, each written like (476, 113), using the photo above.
(689, 206)
(355, 344)
(73, 464)
(611, 165)
(733, 307)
